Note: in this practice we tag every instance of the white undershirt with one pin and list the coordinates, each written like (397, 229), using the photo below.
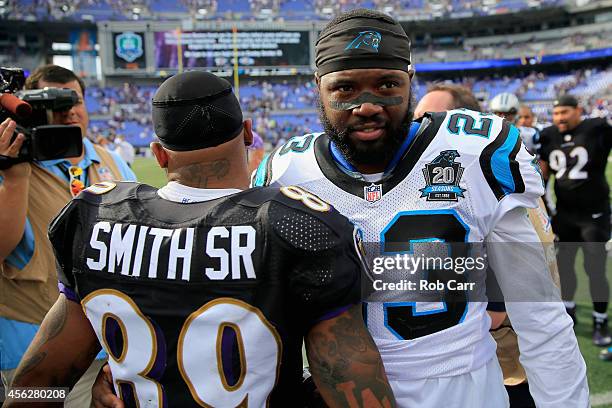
(372, 178)
(179, 193)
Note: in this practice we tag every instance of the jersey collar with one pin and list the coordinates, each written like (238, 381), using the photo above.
(353, 182)
(179, 193)
(349, 169)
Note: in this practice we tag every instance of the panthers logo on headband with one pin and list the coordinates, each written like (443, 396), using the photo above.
(369, 40)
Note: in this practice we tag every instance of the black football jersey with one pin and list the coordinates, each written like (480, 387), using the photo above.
(206, 304)
(579, 158)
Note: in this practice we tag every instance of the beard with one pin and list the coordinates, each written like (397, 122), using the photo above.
(372, 152)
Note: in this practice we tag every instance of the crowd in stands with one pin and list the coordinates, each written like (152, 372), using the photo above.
(421, 9)
(286, 108)
(257, 96)
(506, 47)
(255, 9)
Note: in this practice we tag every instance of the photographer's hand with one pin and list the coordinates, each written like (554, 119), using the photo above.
(14, 188)
(17, 171)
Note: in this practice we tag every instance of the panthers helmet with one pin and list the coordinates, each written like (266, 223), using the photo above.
(505, 103)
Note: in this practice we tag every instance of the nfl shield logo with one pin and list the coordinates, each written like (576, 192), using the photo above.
(373, 193)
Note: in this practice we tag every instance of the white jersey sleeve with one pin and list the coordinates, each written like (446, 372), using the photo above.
(531, 138)
(282, 161)
(512, 174)
(556, 371)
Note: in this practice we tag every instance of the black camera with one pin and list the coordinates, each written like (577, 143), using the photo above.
(33, 112)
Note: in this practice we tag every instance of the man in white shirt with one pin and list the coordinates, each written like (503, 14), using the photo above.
(125, 150)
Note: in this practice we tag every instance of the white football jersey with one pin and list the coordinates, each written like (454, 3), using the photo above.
(531, 138)
(461, 174)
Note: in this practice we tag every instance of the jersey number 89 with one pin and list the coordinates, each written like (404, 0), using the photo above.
(139, 362)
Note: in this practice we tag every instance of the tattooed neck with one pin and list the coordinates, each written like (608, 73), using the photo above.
(201, 175)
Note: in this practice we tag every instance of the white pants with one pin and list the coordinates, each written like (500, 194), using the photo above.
(481, 388)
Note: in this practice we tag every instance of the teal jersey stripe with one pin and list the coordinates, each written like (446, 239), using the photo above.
(260, 173)
(500, 162)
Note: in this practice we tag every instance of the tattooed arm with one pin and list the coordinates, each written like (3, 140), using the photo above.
(62, 350)
(345, 363)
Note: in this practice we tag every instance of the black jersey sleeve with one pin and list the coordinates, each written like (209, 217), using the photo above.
(325, 263)
(66, 229)
(62, 233)
(606, 131)
(545, 140)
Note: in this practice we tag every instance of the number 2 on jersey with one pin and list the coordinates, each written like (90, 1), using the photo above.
(404, 319)
(139, 360)
(462, 122)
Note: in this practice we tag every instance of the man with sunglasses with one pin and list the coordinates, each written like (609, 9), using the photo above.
(30, 196)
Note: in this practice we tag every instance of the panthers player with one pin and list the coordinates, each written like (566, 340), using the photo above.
(507, 106)
(201, 294)
(444, 97)
(455, 176)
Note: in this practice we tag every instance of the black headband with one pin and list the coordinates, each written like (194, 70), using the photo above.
(363, 42)
(195, 110)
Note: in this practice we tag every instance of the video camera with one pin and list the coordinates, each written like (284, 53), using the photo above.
(33, 112)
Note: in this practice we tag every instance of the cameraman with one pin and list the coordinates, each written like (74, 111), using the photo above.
(31, 194)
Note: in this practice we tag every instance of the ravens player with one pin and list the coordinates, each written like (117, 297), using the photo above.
(375, 166)
(576, 152)
(202, 293)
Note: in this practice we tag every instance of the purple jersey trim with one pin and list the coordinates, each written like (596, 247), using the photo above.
(257, 142)
(332, 313)
(228, 339)
(68, 292)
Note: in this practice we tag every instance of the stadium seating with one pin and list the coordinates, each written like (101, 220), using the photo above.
(287, 108)
(285, 9)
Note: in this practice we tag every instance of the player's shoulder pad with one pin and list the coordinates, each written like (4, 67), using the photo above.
(109, 192)
(434, 118)
(465, 132)
(297, 215)
(282, 157)
(528, 131)
(548, 132)
(495, 145)
(469, 123)
(603, 123)
(502, 159)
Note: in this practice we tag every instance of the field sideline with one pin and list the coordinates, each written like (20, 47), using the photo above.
(599, 372)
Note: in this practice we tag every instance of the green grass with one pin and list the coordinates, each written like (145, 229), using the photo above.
(148, 172)
(599, 372)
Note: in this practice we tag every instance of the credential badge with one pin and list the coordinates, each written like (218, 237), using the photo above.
(442, 177)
